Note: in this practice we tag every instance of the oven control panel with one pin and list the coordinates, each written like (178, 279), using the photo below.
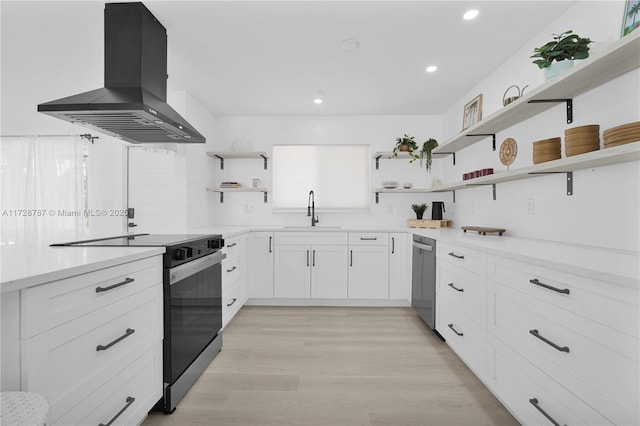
(186, 252)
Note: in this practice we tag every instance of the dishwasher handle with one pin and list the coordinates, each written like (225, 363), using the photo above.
(423, 246)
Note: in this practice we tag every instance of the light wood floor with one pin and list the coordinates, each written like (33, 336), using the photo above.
(334, 366)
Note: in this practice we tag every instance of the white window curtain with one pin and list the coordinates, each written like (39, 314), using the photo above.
(44, 188)
(338, 175)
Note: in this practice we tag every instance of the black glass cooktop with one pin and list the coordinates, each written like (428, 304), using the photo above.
(140, 240)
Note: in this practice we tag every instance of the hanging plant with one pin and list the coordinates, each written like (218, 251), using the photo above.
(407, 144)
(425, 153)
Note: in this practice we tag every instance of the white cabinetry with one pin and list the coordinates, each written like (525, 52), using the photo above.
(261, 261)
(368, 265)
(92, 344)
(310, 265)
(399, 267)
(234, 276)
(578, 335)
(461, 291)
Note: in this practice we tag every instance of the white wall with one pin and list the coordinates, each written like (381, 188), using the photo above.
(605, 207)
(261, 133)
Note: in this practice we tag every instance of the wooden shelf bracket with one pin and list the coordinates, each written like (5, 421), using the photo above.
(569, 103)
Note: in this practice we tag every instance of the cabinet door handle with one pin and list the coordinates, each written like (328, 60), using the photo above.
(232, 302)
(393, 245)
(111, 287)
(454, 330)
(368, 238)
(534, 402)
(455, 288)
(550, 287)
(307, 257)
(313, 258)
(127, 333)
(270, 238)
(129, 400)
(350, 257)
(535, 333)
(232, 245)
(457, 256)
(232, 269)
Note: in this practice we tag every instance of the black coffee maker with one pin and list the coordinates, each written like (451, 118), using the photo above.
(437, 207)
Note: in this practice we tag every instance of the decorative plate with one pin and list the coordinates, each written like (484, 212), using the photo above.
(508, 151)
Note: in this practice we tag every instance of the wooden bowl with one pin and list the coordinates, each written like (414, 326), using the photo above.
(546, 150)
(547, 142)
(537, 159)
(611, 145)
(584, 142)
(623, 135)
(582, 139)
(627, 139)
(591, 128)
(635, 125)
(570, 152)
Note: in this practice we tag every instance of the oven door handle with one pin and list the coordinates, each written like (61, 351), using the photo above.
(187, 269)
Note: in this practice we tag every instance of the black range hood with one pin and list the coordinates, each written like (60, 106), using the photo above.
(132, 105)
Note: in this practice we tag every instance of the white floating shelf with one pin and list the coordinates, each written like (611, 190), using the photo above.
(621, 57)
(402, 190)
(241, 189)
(223, 155)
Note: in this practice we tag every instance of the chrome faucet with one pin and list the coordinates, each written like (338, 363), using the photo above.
(311, 208)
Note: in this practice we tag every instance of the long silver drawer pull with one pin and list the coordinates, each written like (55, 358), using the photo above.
(534, 402)
(457, 256)
(455, 288)
(128, 333)
(232, 269)
(232, 245)
(368, 238)
(232, 302)
(130, 400)
(559, 290)
(549, 342)
(111, 287)
(454, 330)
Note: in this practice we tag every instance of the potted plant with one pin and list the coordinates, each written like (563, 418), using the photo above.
(562, 50)
(406, 143)
(419, 210)
(425, 153)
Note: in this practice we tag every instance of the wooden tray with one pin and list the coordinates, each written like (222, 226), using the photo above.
(483, 231)
(422, 223)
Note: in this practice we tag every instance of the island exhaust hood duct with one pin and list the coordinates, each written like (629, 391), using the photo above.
(132, 105)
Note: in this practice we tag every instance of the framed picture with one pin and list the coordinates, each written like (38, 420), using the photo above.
(472, 112)
(631, 17)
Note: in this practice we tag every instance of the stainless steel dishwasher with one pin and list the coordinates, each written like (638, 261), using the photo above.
(423, 282)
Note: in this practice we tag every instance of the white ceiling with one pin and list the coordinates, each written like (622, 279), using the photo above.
(270, 58)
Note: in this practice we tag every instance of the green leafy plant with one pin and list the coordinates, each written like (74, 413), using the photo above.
(408, 144)
(425, 153)
(419, 209)
(565, 46)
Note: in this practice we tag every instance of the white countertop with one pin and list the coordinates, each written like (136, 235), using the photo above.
(29, 264)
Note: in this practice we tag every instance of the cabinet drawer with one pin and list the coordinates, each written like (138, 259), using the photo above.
(613, 305)
(140, 380)
(368, 239)
(311, 238)
(472, 260)
(231, 271)
(47, 306)
(598, 364)
(517, 381)
(462, 335)
(65, 363)
(233, 246)
(465, 291)
(231, 302)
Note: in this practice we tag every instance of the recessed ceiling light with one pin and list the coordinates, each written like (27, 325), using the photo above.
(470, 14)
(350, 45)
(319, 97)
(431, 68)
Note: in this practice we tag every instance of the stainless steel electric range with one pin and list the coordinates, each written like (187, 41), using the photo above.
(192, 304)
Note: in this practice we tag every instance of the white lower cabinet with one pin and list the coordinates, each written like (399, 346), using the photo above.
(310, 271)
(234, 276)
(261, 259)
(399, 266)
(368, 265)
(92, 344)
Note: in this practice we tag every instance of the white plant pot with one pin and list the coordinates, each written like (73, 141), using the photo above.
(557, 68)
